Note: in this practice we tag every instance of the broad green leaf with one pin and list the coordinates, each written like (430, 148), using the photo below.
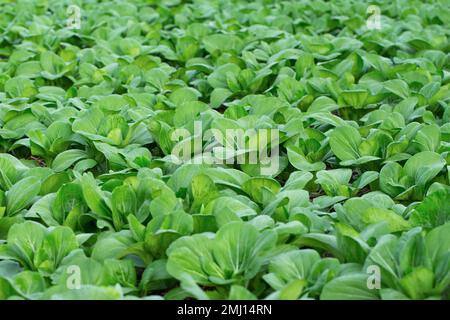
(394, 221)
(22, 194)
(348, 287)
(433, 211)
(398, 87)
(23, 242)
(344, 142)
(67, 158)
(424, 166)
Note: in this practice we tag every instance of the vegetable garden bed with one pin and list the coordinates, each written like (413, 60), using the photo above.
(224, 149)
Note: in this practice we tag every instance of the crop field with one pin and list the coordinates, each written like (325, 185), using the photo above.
(224, 149)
